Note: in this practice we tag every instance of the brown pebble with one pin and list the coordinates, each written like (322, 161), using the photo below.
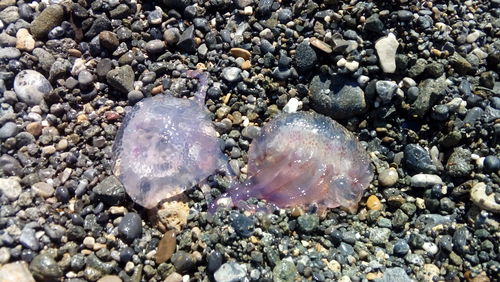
(296, 212)
(74, 53)
(374, 275)
(35, 128)
(109, 40)
(240, 52)
(246, 65)
(373, 203)
(166, 247)
(157, 90)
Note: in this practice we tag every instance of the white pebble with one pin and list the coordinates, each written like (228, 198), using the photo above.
(424, 180)
(430, 248)
(292, 105)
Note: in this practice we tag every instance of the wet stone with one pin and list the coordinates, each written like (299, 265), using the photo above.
(16, 272)
(491, 163)
(130, 227)
(121, 78)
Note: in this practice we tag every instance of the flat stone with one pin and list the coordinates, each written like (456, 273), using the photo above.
(110, 191)
(43, 189)
(386, 48)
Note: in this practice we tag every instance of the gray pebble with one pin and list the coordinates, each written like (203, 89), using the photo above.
(29, 240)
(9, 129)
(10, 188)
(231, 74)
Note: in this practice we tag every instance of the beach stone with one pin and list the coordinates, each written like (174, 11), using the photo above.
(10, 188)
(186, 40)
(337, 96)
(171, 36)
(386, 48)
(9, 15)
(459, 163)
(28, 239)
(130, 227)
(460, 64)
(394, 274)
(231, 74)
(491, 163)
(305, 58)
(155, 46)
(31, 87)
(10, 165)
(183, 261)
(379, 236)
(418, 159)
(242, 224)
(285, 271)
(373, 203)
(308, 222)
(240, 53)
(45, 268)
(110, 278)
(430, 91)
(388, 177)
(98, 25)
(45, 58)
(374, 24)
(173, 277)
(386, 90)
(109, 40)
(230, 272)
(484, 201)
(43, 189)
(16, 272)
(166, 247)
(110, 191)
(24, 40)
(121, 78)
(49, 18)
(9, 129)
(9, 53)
(214, 261)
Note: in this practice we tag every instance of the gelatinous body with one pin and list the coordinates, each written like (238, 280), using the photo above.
(303, 159)
(165, 146)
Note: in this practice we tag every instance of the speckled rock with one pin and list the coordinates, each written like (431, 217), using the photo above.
(31, 87)
(45, 268)
(122, 78)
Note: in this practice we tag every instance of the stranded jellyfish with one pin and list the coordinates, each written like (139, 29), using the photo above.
(303, 159)
(165, 146)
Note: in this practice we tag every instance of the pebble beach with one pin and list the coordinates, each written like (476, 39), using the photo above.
(417, 83)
